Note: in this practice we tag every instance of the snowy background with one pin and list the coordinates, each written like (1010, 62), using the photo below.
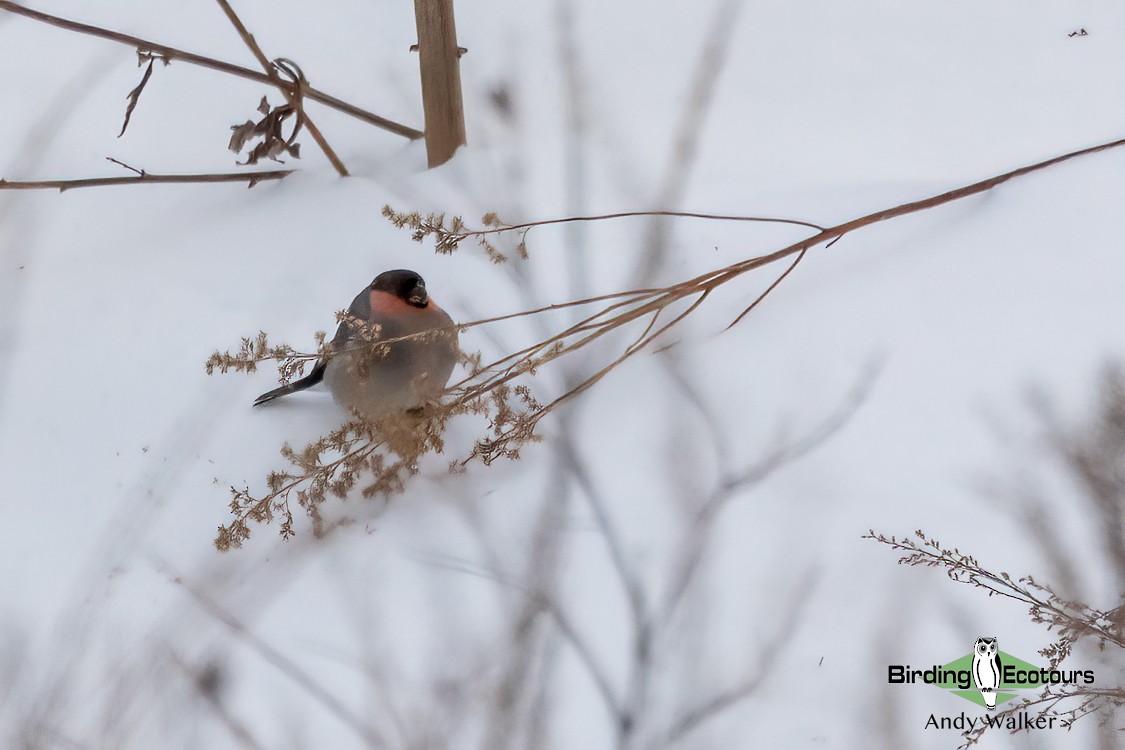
(121, 626)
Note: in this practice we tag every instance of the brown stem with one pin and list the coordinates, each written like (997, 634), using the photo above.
(145, 177)
(627, 214)
(293, 97)
(172, 53)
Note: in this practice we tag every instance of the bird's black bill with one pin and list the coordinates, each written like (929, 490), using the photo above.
(418, 296)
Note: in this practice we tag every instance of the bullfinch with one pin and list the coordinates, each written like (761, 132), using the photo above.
(379, 381)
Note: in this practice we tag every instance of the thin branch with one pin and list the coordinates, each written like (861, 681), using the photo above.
(586, 656)
(172, 53)
(715, 278)
(700, 97)
(663, 297)
(120, 163)
(629, 214)
(292, 94)
(565, 626)
(253, 178)
(771, 287)
(633, 589)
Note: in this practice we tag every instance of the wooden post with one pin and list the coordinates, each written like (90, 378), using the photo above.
(439, 59)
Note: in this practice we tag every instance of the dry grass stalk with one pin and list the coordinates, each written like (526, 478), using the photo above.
(489, 389)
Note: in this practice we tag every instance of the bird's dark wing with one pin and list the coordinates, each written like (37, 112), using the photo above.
(361, 309)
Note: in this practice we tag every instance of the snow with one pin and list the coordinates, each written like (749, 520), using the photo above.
(116, 449)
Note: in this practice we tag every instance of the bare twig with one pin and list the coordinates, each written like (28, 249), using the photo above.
(131, 168)
(252, 178)
(172, 53)
(292, 94)
(770, 288)
(628, 214)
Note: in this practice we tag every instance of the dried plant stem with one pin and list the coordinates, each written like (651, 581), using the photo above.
(1046, 606)
(513, 413)
(172, 53)
(631, 214)
(293, 96)
(144, 178)
(651, 301)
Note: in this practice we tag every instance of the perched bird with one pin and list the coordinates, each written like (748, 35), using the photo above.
(379, 381)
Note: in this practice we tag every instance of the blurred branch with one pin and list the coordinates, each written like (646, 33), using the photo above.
(252, 178)
(697, 104)
(293, 94)
(286, 666)
(769, 655)
(690, 555)
(589, 661)
(544, 601)
(205, 681)
(627, 712)
(172, 53)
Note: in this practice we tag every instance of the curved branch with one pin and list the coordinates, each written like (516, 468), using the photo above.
(172, 53)
(293, 94)
(629, 214)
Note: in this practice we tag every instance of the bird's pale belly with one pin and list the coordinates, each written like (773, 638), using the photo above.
(377, 388)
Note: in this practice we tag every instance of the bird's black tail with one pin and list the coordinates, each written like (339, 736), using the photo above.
(309, 380)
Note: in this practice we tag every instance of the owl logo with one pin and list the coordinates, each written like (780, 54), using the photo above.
(987, 670)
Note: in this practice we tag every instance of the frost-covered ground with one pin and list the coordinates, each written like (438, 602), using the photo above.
(116, 449)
